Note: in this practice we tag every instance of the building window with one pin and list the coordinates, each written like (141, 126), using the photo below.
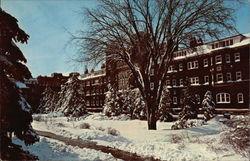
(192, 65)
(151, 86)
(229, 76)
(238, 76)
(218, 68)
(236, 57)
(181, 82)
(228, 58)
(171, 68)
(168, 82)
(223, 98)
(206, 79)
(152, 72)
(219, 77)
(211, 61)
(175, 100)
(218, 59)
(181, 67)
(194, 80)
(240, 98)
(174, 82)
(205, 62)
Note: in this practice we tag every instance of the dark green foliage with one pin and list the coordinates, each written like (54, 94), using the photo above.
(14, 110)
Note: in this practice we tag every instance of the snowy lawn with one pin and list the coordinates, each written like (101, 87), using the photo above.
(201, 143)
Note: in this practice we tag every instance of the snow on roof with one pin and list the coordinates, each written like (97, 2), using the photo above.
(206, 48)
(91, 76)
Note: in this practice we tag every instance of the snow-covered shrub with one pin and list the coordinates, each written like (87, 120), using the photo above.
(238, 135)
(124, 102)
(208, 106)
(111, 106)
(113, 131)
(182, 124)
(84, 126)
(176, 138)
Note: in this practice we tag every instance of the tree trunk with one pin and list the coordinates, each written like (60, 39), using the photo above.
(151, 116)
(151, 122)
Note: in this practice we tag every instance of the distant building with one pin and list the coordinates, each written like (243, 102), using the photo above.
(94, 86)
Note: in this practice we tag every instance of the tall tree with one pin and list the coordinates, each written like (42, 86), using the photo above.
(125, 30)
(14, 110)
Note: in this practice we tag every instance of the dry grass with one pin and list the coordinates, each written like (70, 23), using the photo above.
(84, 126)
(238, 136)
(113, 132)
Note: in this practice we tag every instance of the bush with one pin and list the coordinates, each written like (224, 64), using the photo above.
(37, 118)
(182, 124)
(84, 126)
(238, 135)
(113, 132)
(176, 139)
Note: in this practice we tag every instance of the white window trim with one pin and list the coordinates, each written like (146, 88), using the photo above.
(175, 100)
(206, 76)
(228, 56)
(238, 98)
(174, 82)
(181, 67)
(217, 78)
(216, 59)
(228, 73)
(220, 96)
(205, 64)
(193, 65)
(237, 55)
(181, 82)
(194, 81)
(236, 75)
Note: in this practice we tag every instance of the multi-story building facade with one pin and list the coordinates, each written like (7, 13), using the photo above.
(94, 86)
(220, 66)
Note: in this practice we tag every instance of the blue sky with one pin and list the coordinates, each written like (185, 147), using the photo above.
(47, 23)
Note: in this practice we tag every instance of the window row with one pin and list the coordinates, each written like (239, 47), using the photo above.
(195, 80)
(220, 98)
(195, 64)
(225, 98)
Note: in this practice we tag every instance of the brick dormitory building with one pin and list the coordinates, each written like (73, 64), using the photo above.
(220, 66)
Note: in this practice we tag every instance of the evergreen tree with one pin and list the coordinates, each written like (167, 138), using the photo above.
(71, 99)
(208, 106)
(14, 110)
(111, 106)
(48, 101)
(190, 104)
(164, 113)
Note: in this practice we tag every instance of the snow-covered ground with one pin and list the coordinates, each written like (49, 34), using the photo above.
(201, 143)
(50, 149)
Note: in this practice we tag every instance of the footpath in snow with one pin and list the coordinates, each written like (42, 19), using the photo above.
(201, 143)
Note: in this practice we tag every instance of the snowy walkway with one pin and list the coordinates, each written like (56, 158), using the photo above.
(120, 154)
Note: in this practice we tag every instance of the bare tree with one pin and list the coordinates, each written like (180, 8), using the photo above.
(126, 30)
